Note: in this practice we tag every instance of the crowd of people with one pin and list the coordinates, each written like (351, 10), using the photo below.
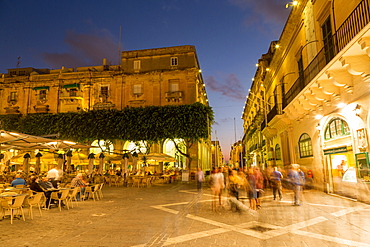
(250, 183)
(49, 182)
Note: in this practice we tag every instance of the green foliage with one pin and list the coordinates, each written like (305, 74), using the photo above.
(151, 123)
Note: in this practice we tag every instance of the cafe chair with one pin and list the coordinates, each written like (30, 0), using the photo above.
(100, 192)
(119, 181)
(145, 181)
(60, 197)
(129, 181)
(35, 201)
(136, 181)
(73, 196)
(96, 191)
(14, 205)
(92, 192)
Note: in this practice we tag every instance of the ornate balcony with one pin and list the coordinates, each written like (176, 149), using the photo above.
(175, 96)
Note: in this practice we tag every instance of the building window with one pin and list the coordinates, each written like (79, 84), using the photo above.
(137, 65)
(137, 89)
(305, 146)
(328, 40)
(42, 95)
(73, 92)
(174, 61)
(336, 128)
(277, 152)
(13, 96)
(173, 85)
(104, 93)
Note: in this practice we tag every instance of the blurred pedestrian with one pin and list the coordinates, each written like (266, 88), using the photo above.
(259, 186)
(252, 192)
(217, 185)
(199, 176)
(275, 179)
(297, 179)
(234, 184)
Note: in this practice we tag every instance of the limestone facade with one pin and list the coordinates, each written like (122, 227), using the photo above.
(309, 101)
(161, 76)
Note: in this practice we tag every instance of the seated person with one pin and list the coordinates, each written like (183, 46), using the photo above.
(18, 181)
(79, 182)
(35, 187)
(46, 184)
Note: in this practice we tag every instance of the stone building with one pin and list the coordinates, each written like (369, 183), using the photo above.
(161, 76)
(217, 156)
(309, 101)
(237, 155)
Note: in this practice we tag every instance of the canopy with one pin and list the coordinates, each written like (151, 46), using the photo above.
(160, 157)
(12, 140)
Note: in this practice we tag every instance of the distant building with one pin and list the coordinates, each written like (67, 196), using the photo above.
(161, 76)
(217, 156)
(309, 101)
(237, 155)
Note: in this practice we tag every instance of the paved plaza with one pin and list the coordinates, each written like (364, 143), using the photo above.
(176, 215)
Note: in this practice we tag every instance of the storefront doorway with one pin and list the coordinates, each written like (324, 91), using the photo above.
(341, 175)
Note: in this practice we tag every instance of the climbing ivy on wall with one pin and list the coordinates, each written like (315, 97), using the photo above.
(150, 123)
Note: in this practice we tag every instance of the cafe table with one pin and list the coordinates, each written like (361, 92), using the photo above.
(17, 190)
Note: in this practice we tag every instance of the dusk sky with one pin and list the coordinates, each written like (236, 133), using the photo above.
(229, 35)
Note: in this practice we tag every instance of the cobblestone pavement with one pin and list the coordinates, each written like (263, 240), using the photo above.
(176, 215)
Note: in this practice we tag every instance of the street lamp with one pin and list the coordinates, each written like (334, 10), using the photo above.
(294, 3)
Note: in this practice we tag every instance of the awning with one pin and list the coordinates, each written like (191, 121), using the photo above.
(12, 140)
(74, 85)
(41, 88)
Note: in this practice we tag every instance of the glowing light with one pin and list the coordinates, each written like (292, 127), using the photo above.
(68, 142)
(318, 116)
(267, 69)
(294, 3)
(341, 105)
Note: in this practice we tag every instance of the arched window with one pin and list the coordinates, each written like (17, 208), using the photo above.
(305, 146)
(277, 152)
(337, 127)
(103, 146)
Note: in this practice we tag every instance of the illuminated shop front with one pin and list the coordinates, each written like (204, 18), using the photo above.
(346, 162)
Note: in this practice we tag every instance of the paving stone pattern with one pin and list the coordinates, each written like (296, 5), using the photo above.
(177, 215)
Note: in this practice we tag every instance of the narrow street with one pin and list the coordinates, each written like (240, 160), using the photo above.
(176, 215)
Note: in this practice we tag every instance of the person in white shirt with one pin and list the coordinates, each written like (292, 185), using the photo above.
(217, 185)
(53, 176)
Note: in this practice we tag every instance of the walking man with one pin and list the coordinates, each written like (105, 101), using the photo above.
(275, 179)
(297, 180)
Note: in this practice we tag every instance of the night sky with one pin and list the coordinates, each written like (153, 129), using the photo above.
(229, 35)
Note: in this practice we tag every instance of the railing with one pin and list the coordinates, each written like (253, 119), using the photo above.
(355, 22)
(358, 19)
